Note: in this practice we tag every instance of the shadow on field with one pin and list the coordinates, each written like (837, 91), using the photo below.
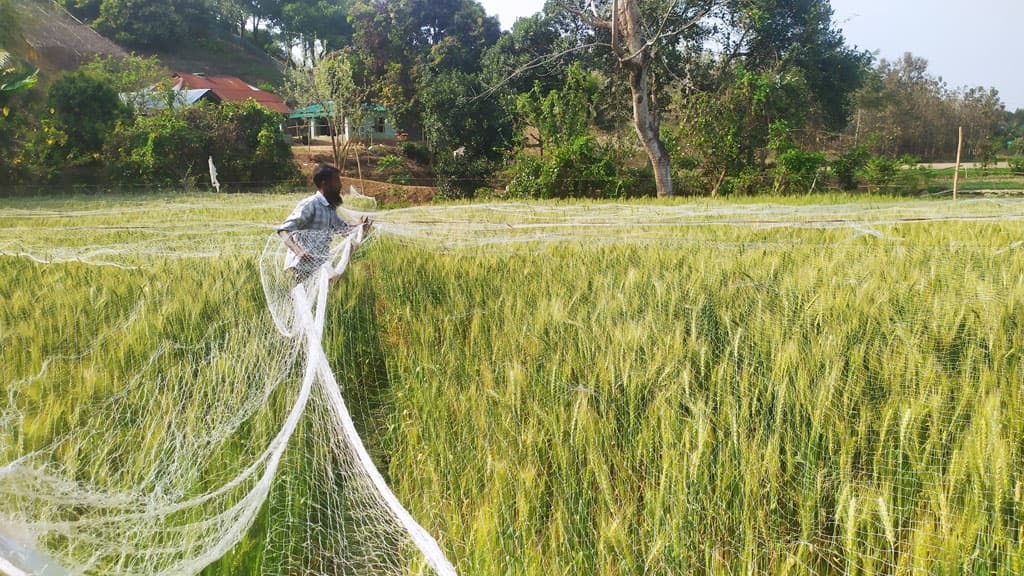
(352, 341)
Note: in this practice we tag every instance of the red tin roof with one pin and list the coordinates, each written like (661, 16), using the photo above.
(231, 89)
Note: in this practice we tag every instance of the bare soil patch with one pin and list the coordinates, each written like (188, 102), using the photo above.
(379, 183)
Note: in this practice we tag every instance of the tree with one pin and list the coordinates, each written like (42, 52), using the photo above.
(150, 24)
(329, 84)
(84, 9)
(260, 14)
(319, 26)
(644, 30)
(781, 34)
(560, 116)
(127, 75)
(904, 110)
(453, 118)
(85, 109)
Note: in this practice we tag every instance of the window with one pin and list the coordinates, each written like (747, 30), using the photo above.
(378, 125)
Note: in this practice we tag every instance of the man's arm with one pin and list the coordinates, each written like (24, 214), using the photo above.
(297, 220)
(289, 241)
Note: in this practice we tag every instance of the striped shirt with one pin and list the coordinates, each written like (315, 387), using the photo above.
(312, 224)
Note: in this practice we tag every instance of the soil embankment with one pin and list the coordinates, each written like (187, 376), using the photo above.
(395, 181)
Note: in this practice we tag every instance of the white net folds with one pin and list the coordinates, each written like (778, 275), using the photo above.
(571, 389)
(160, 419)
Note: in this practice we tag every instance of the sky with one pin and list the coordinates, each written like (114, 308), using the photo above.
(975, 43)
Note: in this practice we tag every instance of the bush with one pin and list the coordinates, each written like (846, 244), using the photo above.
(459, 177)
(1016, 164)
(580, 169)
(85, 109)
(1016, 159)
(880, 172)
(389, 162)
(173, 147)
(848, 164)
(415, 151)
(797, 170)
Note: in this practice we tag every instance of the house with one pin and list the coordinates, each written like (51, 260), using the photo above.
(229, 89)
(311, 121)
(151, 99)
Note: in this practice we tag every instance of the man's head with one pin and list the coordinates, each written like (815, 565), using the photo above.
(327, 180)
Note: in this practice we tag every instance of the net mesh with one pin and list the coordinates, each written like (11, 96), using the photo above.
(599, 389)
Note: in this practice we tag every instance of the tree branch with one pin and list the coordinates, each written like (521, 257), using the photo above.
(535, 63)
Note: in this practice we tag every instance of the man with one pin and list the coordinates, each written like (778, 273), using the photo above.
(309, 228)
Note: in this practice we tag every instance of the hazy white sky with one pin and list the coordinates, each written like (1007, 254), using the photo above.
(975, 43)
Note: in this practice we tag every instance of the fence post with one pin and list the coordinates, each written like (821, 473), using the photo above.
(956, 174)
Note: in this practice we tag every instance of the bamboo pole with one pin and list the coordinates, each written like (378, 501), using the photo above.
(956, 173)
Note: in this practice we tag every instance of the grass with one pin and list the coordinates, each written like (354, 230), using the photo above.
(742, 399)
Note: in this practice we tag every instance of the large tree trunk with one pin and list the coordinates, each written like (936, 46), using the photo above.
(646, 121)
(648, 128)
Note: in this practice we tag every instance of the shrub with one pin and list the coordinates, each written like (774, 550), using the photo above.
(1016, 159)
(415, 151)
(389, 162)
(85, 109)
(880, 172)
(848, 164)
(797, 170)
(579, 169)
(1016, 164)
(173, 147)
(459, 177)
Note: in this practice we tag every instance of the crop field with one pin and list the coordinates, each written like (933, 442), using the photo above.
(801, 386)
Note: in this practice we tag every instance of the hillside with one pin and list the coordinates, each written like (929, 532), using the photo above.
(56, 41)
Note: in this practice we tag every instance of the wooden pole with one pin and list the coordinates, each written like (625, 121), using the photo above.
(956, 174)
(615, 18)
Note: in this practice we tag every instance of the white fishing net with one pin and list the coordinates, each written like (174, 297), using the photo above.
(584, 389)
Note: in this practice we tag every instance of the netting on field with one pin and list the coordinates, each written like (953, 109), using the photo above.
(580, 389)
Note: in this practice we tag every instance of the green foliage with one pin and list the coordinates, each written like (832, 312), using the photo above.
(1016, 164)
(520, 60)
(392, 168)
(38, 154)
(314, 22)
(795, 170)
(728, 131)
(880, 173)
(800, 35)
(128, 74)
(146, 24)
(459, 177)
(173, 147)
(10, 22)
(389, 162)
(578, 169)
(418, 152)
(848, 164)
(1016, 159)
(83, 9)
(560, 116)
(15, 75)
(456, 116)
(84, 108)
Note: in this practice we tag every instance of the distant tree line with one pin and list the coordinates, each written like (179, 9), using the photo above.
(602, 97)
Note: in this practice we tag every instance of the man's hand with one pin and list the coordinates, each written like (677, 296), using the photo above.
(365, 222)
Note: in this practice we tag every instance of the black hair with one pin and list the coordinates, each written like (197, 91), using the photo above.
(322, 173)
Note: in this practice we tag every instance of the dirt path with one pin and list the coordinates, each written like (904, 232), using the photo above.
(965, 165)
